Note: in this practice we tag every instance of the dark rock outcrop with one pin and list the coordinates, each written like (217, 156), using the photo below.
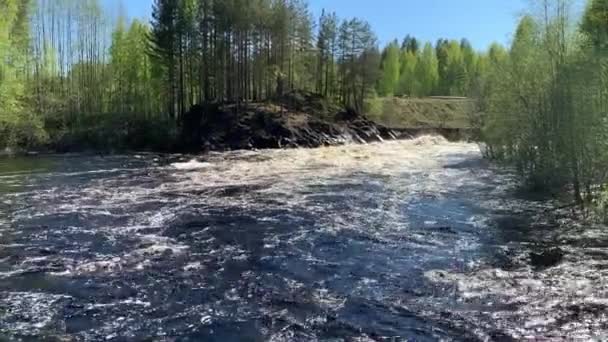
(305, 122)
(191, 129)
(547, 258)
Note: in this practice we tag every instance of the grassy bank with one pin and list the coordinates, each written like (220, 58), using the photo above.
(429, 112)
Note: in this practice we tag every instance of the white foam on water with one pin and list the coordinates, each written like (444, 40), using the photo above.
(281, 180)
(282, 173)
(427, 140)
(29, 312)
(543, 298)
(132, 260)
(129, 301)
(329, 301)
(193, 266)
(191, 165)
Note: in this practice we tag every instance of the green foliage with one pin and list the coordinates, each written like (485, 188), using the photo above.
(134, 90)
(427, 71)
(18, 126)
(327, 45)
(359, 61)
(456, 66)
(408, 82)
(546, 103)
(11, 88)
(390, 70)
(74, 68)
(111, 132)
(417, 70)
(455, 78)
(595, 23)
(469, 57)
(410, 44)
(84, 69)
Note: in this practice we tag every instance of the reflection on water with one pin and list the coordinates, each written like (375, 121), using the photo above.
(419, 239)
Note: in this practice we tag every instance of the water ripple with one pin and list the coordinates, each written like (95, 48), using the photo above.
(420, 239)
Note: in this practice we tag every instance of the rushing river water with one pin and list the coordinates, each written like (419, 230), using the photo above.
(415, 239)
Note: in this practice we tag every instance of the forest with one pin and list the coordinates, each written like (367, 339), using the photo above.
(77, 75)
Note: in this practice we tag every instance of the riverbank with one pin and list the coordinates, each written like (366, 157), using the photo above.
(274, 125)
(297, 119)
(437, 112)
(301, 119)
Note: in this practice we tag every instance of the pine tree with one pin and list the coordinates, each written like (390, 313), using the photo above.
(326, 50)
(359, 62)
(412, 45)
(164, 41)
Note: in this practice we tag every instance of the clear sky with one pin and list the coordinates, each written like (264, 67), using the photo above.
(481, 21)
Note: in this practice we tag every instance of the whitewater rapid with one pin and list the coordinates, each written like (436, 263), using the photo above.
(419, 238)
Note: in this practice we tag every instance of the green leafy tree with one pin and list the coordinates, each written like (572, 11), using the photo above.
(455, 76)
(408, 82)
(11, 88)
(18, 123)
(595, 23)
(359, 61)
(546, 104)
(390, 70)
(469, 59)
(441, 51)
(427, 71)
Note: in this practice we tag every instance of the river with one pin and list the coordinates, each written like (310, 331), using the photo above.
(418, 240)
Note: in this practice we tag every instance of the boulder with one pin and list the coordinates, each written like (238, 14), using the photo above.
(547, 258)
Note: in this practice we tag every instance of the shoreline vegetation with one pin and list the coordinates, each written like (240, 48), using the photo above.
(297, 120)
(213, 74)
(82, 76)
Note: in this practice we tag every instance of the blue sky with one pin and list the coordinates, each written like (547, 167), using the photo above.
(481, 21)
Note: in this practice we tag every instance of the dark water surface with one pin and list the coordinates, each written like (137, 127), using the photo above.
(417, 239)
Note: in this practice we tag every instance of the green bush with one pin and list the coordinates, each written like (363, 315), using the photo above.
(114, 132)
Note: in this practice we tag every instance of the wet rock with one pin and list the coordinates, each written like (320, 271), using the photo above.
(303, 121)
(443, 229)
(191, 124)
(579, 311)
(546, 259)
(500, 336)
(48, 252)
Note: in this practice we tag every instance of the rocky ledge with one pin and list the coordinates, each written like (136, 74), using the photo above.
(297, 120)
